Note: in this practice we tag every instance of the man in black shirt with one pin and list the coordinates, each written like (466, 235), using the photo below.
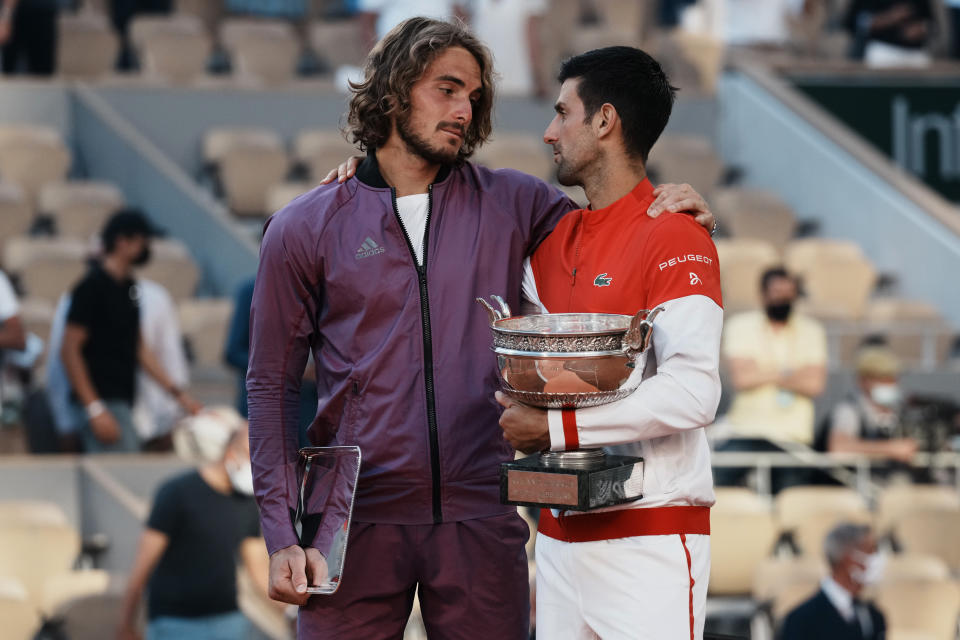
(200, 523)
(102, 345)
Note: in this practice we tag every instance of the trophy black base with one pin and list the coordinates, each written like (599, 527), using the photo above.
(550, 481)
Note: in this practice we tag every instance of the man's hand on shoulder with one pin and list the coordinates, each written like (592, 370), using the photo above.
(345, 171)
(291, 570)
(682, 198)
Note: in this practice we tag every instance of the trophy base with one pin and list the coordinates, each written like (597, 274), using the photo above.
(575, 480)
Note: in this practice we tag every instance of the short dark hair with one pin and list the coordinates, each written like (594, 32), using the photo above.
(772, 274)
(631, 81)
(126, 223)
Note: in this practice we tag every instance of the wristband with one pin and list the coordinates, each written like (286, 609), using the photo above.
(95, 409)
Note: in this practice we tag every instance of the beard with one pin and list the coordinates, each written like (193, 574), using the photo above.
(418, 145)
(568, 173)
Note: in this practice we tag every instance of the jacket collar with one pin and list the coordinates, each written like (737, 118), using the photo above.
(369, 172)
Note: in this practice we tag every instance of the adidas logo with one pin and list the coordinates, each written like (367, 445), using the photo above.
(369, 248)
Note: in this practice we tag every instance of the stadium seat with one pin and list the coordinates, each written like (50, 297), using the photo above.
(33, 552)
(173, 48)
(62, 588)
(742, 535)
(790, 597)
(680, 158)
(247, 175)
(704, 53)
(262, 52)
(802, 255)
(899, 501)
(87, 46)
(927, 606)
(85, 618)
(914, 330)
(172, 266)
(902, 567)
(520, 151)
(210, 13)
(37, 512)
(320, 150)
(807, 513)
(774, 574)
(80, 208)
(16, 215)
(279, 195)
(338, 42)
(932, 532)
(576, 194)
(754, 213)
(219, 140)
(742, 262)
(32, 156)
(47, 266)
(37, 316)
(17, 616)
(204, 322)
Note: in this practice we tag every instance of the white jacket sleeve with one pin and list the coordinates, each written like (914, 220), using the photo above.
(683, 394)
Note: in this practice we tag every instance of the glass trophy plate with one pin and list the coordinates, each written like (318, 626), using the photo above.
(327, 481)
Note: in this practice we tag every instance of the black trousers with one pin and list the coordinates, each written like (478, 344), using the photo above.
(32, 45)
(121, 13)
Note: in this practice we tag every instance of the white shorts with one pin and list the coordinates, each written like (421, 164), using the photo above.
(639, 588)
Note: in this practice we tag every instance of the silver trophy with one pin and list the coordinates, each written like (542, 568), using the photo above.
(570, 361)
(327, 482)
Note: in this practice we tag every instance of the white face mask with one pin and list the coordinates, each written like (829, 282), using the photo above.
(873, 567)
(241, 476)
(886, 395)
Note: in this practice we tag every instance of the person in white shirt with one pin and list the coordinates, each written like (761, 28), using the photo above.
(12, 335)
(835, 611)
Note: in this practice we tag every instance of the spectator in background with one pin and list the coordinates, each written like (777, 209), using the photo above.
(236, 353)
(953, 10)
(282, 9)
(154, 412)
(777, 360)
(121, 13)
(12, 335)
(199, 524)
(103, 343)
(891, 33)
(868, 421)
(28, 35)
(382, 15)
(511, 28)
(835, 612)
(764, 23)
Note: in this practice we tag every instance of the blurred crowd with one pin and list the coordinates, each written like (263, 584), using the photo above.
(531, 34)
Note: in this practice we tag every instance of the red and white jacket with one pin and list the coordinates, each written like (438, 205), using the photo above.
(619, 260)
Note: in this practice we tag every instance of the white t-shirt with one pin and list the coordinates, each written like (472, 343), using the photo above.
(9, 306)
(413, 213)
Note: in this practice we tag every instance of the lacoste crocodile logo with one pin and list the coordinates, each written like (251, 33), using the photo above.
(602, 280)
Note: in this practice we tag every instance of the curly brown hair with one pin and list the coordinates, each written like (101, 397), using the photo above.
(391, 70)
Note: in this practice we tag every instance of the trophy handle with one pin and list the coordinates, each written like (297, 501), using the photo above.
(504, 307)
(640, 334)
(491, 312)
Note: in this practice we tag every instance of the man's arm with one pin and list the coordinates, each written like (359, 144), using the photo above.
(685, 391)
(746, 374)
(808, 380)
(6, 19)
(148, 361)
(152, 545)
(286, 299)
(12, 335)
(102, 422)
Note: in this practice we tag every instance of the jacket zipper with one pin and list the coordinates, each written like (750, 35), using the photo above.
(427, 348)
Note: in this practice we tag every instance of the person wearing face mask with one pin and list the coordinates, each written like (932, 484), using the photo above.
(868, 422)
(835, 611)
(777, 362)
(200, 523)
(102, 342)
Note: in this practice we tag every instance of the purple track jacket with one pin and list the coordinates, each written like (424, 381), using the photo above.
(402, 353)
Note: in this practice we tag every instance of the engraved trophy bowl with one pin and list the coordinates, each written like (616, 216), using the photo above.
(570, 361)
